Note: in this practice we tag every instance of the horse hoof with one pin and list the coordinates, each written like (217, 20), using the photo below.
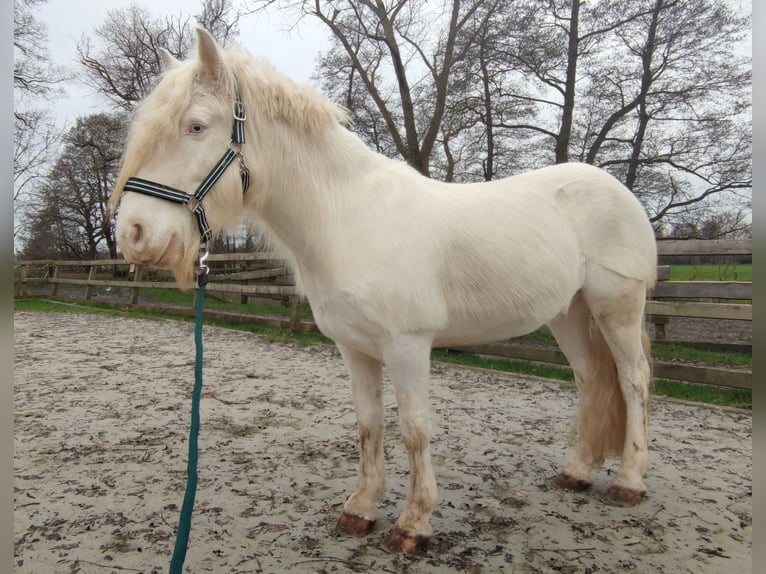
(402, 542)
(353, 525)
(625, 497)
(564, 481)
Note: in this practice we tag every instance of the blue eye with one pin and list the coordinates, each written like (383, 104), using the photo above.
(196, 128)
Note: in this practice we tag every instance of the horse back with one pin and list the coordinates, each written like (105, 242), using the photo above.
(520, 248)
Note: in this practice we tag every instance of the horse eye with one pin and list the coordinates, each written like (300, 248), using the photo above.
(196, 128)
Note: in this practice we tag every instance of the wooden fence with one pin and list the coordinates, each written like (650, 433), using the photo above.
(265, 276)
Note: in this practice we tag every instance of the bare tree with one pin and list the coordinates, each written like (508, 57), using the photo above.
(482, 101)
(34, 78)
(33, 72)
(122, 61)
(729, 224)
(548, 41)
(402, 53)
(220, 19)
(72, 201)
(653, 90)
(35, 139)
(340, 80)
(668, 105)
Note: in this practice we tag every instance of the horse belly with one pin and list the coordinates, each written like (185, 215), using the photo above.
(487, 330)
(493, 295)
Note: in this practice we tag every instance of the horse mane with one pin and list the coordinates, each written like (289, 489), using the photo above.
(270, 95)
(267, 94)
(275, 96)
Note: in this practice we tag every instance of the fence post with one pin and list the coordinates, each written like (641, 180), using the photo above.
(244, 267)
(89, 286)
(295, 312)
(136, 279)
(23, 289)
(54, 284)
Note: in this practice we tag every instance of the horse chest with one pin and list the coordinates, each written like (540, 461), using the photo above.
(350, 328)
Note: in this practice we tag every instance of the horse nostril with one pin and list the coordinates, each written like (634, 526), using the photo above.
(136, 233)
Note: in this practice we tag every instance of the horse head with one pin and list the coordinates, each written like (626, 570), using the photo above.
(178, 133)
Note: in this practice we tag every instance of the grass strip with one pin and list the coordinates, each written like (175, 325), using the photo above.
(722, 396)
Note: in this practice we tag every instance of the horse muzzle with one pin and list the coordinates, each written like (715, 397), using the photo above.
(138, 246)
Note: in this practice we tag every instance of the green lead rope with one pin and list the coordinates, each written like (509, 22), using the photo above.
(184, 522)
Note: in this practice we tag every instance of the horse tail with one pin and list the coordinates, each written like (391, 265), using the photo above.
(646, 343)
(601, 422)
(602, 416)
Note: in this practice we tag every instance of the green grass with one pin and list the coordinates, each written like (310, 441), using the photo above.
(44, 305)
(168, 296)
(722, 396)
(505, 365)
(276, 335)
(713, 395)
(542, 336)
(711, 272)
(740, 398)
(663, 351)
(680, 352)
(219, 303)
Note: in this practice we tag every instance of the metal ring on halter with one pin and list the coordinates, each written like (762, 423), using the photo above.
(236, 147)
(239, 111)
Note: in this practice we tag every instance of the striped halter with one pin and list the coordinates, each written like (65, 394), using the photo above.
(194, 201)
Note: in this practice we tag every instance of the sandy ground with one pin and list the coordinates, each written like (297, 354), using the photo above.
(101, 422)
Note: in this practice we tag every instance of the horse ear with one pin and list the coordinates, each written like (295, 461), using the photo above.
(169, 61)
(209, 54)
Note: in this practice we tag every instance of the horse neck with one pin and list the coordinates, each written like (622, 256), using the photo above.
(308, 186)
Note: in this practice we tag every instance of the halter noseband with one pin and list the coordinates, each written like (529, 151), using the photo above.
(194, 201)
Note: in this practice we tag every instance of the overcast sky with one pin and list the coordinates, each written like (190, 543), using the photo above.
(292, 51)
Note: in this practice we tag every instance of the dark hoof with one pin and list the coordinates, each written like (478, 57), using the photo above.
(402, 542)
(352, 525)
(563, 481)
(625, 497)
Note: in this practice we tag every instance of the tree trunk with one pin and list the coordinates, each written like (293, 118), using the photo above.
(567, 112)
(489, 164)
(643, 115)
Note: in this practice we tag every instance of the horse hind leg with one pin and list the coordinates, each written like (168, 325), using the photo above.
(617, 304)
(599, 427)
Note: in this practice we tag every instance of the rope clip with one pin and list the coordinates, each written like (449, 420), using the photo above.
(202, 268)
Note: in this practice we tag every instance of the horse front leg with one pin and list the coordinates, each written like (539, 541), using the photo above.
(361, 509)
(408, 361)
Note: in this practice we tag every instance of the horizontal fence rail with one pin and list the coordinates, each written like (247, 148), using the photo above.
(713, 247)
(265, 275)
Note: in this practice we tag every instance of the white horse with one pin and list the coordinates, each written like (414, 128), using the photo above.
(394, 264)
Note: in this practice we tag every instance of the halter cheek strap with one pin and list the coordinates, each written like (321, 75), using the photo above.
(194, 201)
